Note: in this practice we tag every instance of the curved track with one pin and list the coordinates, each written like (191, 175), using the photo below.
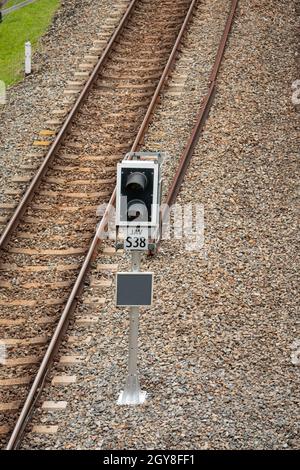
(133, 93)
(46, 243)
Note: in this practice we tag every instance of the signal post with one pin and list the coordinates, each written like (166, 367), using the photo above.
(137, 217)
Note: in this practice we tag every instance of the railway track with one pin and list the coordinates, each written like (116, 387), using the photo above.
(45, 243)
(87, 150)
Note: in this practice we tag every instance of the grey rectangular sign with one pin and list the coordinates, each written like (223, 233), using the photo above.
(134, 289)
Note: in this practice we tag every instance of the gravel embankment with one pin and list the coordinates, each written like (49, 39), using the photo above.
(215, 349)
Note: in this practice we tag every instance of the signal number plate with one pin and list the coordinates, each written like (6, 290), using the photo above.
(136, 238)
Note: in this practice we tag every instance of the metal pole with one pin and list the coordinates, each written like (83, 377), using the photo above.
(133, 341)
(132, 394)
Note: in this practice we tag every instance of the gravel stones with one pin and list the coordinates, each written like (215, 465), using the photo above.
(215, 349)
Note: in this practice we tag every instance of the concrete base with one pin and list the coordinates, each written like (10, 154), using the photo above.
(131, 399)
(132, 394)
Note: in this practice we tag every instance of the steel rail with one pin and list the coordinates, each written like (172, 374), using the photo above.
(222, 44)
(191, 144)
(37, 385)
(16, 7)
(201, 117)
(36, 181)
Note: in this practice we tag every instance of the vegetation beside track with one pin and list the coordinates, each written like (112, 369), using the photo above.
(27, 24)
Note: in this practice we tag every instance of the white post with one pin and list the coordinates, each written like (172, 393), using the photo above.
(2, 92)
(132, 394)
(27, 58)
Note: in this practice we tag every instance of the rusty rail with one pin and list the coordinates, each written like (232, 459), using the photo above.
(223, 42)
(202, 114)
(191, 144)
(62, 325)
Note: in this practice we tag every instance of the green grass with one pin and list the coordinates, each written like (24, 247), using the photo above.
(27, 24)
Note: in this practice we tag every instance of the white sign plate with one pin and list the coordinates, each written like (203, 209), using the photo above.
(136, 238)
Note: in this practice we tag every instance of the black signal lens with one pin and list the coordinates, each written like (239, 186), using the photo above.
(136, 181)
(137, 210)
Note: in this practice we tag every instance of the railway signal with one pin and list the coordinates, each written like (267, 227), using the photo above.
(137, 214)
(138, 199)
(138, 191)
